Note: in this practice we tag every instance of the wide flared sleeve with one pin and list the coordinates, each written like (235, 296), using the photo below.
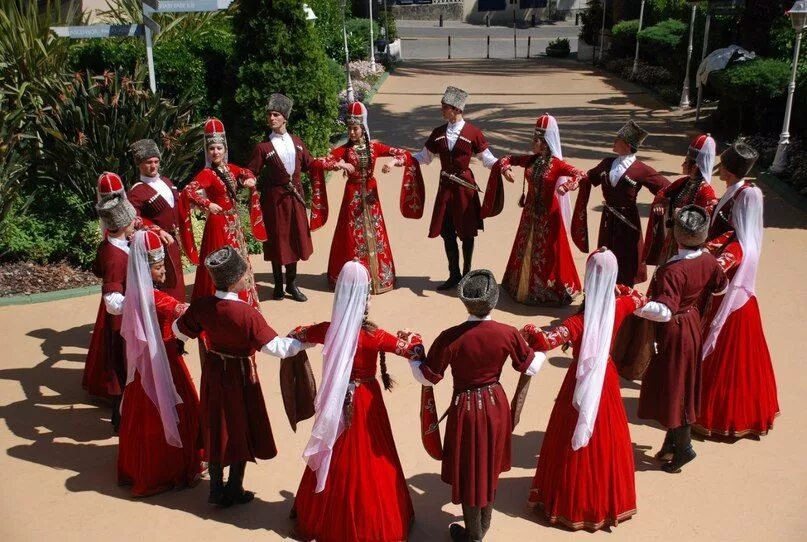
(319, 195)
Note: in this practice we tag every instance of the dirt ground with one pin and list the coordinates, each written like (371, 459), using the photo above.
(59, 467)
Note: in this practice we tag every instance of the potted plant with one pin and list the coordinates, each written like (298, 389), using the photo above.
(558, 48)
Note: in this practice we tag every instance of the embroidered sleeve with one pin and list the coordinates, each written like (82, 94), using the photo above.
(314, 333)
(196, 192)
(728, 260)
(544, 340)
(574, 174)
(574, 183)
(329, 163)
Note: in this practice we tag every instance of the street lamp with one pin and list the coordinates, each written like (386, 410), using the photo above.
(798, 18)
(685, 91)
(350, 94)
(602, 30)
(372, 41)
(309, 13)
(636, 57)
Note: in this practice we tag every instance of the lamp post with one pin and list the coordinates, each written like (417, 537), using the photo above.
(798, 18)
(602, 30)
(350, 94)
(636, 56)
(372, 41)
(685, 91)
(703, 55)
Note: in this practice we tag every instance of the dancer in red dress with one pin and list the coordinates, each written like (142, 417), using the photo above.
(235, 425)
(281, 160)
(694, 189)
(738, 386)
(479, 430)
(105, 370)
(159, 435)
(671, 386)
(457, 209)
(215, 190)
(540, 269)
(93, 379)
(621, 179)
(585, 471)
(156, 200)
(360, 230)
(353, 487)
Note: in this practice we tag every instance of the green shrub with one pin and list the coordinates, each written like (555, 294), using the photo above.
(280, 51)
(559, 43)
(751, 95)
(664, 45)
(623, 38)
(387, 20)
(358, 38)
(91, 133)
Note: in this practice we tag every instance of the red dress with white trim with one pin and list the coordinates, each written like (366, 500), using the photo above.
(594, 486)
(145, 460)
(738, 385)
(366, 498)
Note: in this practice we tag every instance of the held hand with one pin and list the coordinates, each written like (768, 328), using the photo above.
(347, 168)
(249, 183)
(165, 237)
(562, 189)
(399, 162)
(214, 208)
(386, 168)
(658, 208)
(508, 174)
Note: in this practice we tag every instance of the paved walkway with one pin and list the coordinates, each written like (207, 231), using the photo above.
(59, 467)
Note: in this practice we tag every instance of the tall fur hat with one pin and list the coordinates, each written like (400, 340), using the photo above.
(632, 134)
(144, 149)
(691, 226)
(479, 292)
(280, 103)
(739, 159)
(455, 97)
(226, 267)
(116, 212)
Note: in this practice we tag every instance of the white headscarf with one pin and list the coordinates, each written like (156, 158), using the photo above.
(747, 218)
(341, 341)
(601, 271)
(145, 351)
(706, 158)
(552, 138)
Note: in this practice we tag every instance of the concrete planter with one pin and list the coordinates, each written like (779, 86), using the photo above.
(585, 52)
(557, 52)
(394, 50)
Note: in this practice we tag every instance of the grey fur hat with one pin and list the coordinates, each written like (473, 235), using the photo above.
(739, 159)
(226, 267)
(115, 211)
(455, 97)
(479, 291)
(691, 226)
(280, 103)
(632, 134)
(144, 149)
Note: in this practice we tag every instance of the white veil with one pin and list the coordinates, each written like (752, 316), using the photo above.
(706, 159)
(341, 341)
(552, 138)
(748, 225)
(145, 351)
(601, 270)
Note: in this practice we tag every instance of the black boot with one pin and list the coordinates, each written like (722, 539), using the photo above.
(291, 288)
(467, 255)
(218, 495)
(487, 516)
(277, 271)
(453, 256)
(473, 523)
(115, 417)
(235, 484)
(665, 454)
(683, 450)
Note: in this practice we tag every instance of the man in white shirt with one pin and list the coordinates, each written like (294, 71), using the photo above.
(457, 209)
(279, 163)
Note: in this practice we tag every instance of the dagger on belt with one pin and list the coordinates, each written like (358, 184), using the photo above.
(620, 216)
(289, 186)
(459, 180)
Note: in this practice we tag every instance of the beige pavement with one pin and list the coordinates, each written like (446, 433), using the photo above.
(58, 472)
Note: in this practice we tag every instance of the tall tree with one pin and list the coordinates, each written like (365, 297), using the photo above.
(279, 50)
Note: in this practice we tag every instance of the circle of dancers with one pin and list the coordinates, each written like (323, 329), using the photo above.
(694, 339)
